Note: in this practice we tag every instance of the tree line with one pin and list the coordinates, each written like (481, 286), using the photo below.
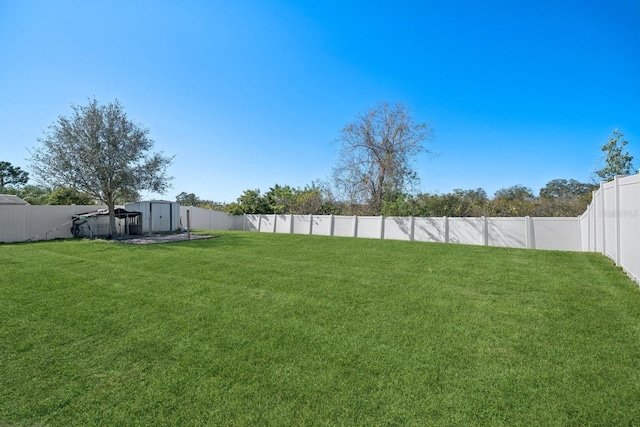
(99, 155)
(375, 175)
(558, 198)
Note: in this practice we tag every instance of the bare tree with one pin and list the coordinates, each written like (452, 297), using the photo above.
(377, 152)
(99, 151)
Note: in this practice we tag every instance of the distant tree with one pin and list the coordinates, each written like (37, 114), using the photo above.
(516, 200)
(99, 151)
(12, 176)
(470, 202)
(515, 192)
(376, 156)
(315, 198)
(565, 189)
(562, 197)
(617, 161)
(280, 199)
(68, 196)
(188, 199)
(33, 194)
(214, 206)
(250, 202)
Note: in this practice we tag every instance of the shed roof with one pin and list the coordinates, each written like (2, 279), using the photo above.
(10, 199)
(119, 213)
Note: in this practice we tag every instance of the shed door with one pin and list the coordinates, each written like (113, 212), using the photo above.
(161, 217)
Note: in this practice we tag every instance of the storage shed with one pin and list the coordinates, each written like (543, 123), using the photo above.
(96, 223)
(157, 216)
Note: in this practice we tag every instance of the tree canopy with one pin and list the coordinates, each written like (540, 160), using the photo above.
(100, 152)
(11, 176)
(617, 160)
(565, 189)
(68, 196)
(377, 151)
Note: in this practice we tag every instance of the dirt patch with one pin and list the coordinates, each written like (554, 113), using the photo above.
(160, 238)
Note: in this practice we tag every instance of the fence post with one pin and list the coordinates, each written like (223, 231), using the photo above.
(331, 224)
(27, 223)
(275, 220)
(291, 225)
(244, 222)
(446, 228)
(530, 232)
(603, 218)
(311, 224)
(413, 228)
(592, 222)
(355, 226)
(188, 225)
(616, 182)
(485, 231)
(381, 227)
(259, 222)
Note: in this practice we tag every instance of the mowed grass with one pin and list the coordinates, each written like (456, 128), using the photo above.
(263, 329)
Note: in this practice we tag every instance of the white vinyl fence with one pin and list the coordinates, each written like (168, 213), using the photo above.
(527, 232)
(19, 223)
(205, 219)
(611, 224)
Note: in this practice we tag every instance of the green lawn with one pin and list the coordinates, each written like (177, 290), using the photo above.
(264, 329)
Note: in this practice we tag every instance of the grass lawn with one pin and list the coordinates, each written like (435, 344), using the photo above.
(264, 329)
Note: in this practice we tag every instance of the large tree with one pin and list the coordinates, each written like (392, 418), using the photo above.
(99, 151)
(566, 189)
(377, 152)
(11, 176)
(617, 160)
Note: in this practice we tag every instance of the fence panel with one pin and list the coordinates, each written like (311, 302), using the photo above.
(200, 219)
(39, 222)
(399, 228)
(343, 226)
(507, 232)
(302, 224)
(629, 225)
(611, 223)
(585, 230)
(562, 234)
(206, 219)
(430, 230)
(322, 225)
(251, 222)
(267, 223)
(283, 223)
(467, 231)
(13, 223)
(369, 227)
(609, 218)
(49, 222)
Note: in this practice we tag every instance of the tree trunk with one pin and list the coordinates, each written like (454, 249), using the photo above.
(112, 218)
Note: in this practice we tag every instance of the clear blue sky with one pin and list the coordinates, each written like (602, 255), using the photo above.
(248, 94)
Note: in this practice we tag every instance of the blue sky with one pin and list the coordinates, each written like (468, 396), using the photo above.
(248, 94)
